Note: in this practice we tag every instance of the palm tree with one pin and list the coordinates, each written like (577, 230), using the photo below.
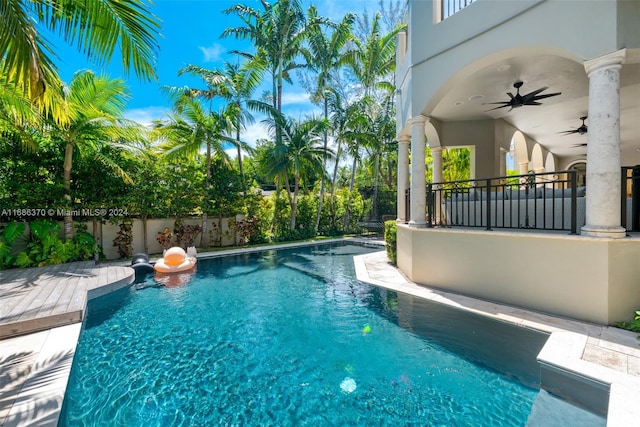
(324, 54)
(299, 154)
(18, 117)
(277, 32)
(235, 83)
(373, 63)
(95, 105)
(186, 131)
(96, 27)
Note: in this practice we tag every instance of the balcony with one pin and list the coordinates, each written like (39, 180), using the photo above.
(449, 7)
(550, 201)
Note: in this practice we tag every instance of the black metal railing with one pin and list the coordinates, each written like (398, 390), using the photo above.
(449, 7)
(407, 205)
(543, 201)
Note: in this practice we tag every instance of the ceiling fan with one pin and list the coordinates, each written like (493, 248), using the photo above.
(520, 100)
(581, 130)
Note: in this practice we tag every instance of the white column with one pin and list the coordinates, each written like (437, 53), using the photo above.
(418, 171)
(436, 177)
(603, 147)
(436, 173)
(523, 168)
(503, 161)
(403, 176)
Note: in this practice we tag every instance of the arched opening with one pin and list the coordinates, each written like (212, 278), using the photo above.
(580, 166)
(550, 163)
(537, 162)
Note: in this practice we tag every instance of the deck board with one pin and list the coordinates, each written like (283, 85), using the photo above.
(36, 299)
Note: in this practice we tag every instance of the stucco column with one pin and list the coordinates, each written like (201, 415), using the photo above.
(523, 168)
(503, 161)
(603, 147)
(436, 177)
(436, 173)
(418, 171)
(403, 176)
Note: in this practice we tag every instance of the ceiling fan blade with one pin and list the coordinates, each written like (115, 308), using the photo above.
(549, 95)
(535, 92)
(584, 144)
(489, 103)
(532, 103)
(502, 106)
(510, 95)
(569, 132)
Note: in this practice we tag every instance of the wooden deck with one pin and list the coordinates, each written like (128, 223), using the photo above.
(36, 299)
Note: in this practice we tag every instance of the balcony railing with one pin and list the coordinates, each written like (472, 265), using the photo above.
(449, 7)
(543, 201)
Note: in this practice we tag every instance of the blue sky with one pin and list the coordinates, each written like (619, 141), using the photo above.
(192, 30)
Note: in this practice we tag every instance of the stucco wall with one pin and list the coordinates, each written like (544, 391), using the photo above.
(479, 133)
(584, 278)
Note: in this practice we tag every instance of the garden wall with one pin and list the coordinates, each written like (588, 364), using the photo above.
(107, 232)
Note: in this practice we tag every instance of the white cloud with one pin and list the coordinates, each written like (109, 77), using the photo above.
(146, 116)
(289, 98)
(254, 132)
(213, 52)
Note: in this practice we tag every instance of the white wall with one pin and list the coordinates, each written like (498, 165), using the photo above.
(583, 278)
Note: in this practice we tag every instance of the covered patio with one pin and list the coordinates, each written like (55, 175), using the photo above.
(555, 238)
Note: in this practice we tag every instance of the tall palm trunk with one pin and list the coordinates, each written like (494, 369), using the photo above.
(68, 219)
(206, 198)
(240, 168)
(294, 203)
(374, 207)
(145, 245)
(351, 185)
(324, 166)
(333, 184)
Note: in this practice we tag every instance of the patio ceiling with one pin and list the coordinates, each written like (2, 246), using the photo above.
(544, 123)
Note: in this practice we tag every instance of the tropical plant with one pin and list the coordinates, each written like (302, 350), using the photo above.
(95, 106)
(46, 248)
(236, 84)
(277, 33)
(390, 241)
(186, 131)
(96, 27)
(299, 154)
(10, 233)
(124, 238)
(164, 237)
(324, 54)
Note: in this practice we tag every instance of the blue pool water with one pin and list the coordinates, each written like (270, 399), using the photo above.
(286, 338)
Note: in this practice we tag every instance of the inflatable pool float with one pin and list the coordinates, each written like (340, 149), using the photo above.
(175, 260)
(142, 267)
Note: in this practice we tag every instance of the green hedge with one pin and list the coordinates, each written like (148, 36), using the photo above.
(390, 239)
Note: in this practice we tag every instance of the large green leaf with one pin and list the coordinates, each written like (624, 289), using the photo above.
(41, 229)
(12, 231)
(23, 260)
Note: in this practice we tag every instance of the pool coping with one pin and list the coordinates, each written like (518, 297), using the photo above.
(564, 349)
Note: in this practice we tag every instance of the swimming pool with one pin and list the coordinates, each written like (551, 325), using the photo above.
(289, 337)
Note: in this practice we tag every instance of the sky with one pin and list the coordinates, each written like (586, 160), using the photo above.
(192, 32)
